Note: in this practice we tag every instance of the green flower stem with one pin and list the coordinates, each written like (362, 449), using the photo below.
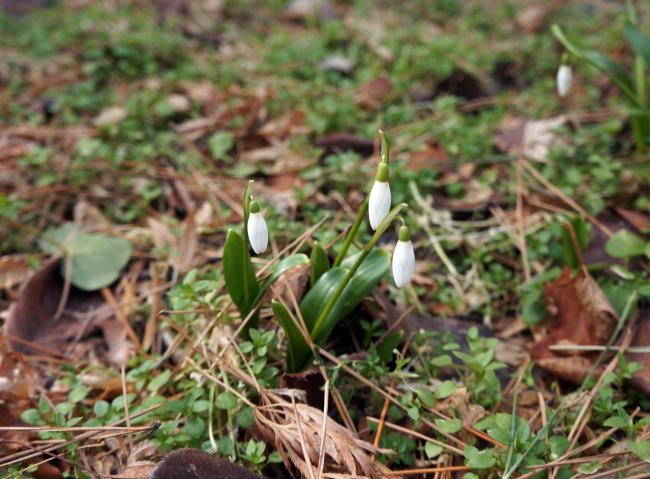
(552, 420)
(352, 233)
(210, 425)
(513, 431)
(231, 429)
(366, 251)
(622, 86)
(247, 204)
(385, 158)
(639, 83)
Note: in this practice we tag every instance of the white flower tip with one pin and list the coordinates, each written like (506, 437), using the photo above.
(258, 233)
(564, 79)
(378, 203)
(403, 263)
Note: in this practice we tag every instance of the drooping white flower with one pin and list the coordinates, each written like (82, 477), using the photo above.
(258, 233)
(403, 258)
(379, 201)
(564, 79)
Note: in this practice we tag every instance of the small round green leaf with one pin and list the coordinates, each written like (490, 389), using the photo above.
(195, 427)
(641, 449)
(446, 389)
(625, 244)
(226, 400)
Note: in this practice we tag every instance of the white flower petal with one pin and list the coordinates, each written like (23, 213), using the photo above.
(564, 78)
(262, 235)
(403, 263)
(378, 203)
(258, 233)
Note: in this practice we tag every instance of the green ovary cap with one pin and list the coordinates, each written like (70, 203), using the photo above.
(404, 234)
(254, 207)
(382, 173)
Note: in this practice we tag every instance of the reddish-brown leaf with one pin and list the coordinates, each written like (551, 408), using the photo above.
(578, 313)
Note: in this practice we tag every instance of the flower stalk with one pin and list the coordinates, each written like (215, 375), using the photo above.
(385, 158)
(366, 251)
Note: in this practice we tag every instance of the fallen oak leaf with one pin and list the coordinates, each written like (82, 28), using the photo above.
(578, 312)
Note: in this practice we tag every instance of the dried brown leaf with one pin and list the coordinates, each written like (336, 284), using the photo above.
(17, 376)
(640, 221)
(112, 115)
(14, 269)
(141, 450)
(188, 243)
(573, 368)
(115, 337)
(578, 313)
(31, 316)
(342, 450)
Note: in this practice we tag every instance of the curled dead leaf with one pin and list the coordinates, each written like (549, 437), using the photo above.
(574, 368)
(578, 313)
(33, 321)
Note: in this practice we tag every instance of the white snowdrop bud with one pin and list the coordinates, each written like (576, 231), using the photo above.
(564, 78)
(403, 258)
(258, 233)
(379, 201)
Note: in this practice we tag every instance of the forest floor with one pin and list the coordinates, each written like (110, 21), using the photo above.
(129, 130)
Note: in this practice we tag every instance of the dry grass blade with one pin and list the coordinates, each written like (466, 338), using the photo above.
(302, 439)
(321, 459)
(24, 455)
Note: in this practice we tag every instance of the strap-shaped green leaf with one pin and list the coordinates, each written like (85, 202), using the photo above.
(298, 350)
(638, 41)
(239, 274)
(368, 275)
(612, 69)
(320, 264)
(315, 301)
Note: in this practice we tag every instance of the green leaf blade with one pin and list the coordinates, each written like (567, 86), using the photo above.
(639, 42)
(625, 244)
(368, 275)
(641, 449)
(320, 263)
(316, 300)
(298, 350)
(239, 273)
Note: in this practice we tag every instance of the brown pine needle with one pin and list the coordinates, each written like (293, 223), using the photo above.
(126, 405)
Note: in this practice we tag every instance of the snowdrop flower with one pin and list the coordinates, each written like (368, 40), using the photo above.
(258, 233)
(564, 76)
(403, 258)
(379, 201)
